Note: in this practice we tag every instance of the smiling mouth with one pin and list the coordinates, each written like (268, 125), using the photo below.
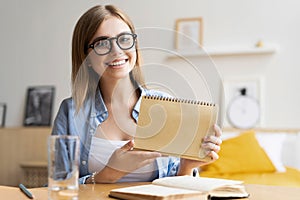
(118, 63)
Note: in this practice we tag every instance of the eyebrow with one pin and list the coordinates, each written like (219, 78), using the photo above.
(106, 37)
(100, 38)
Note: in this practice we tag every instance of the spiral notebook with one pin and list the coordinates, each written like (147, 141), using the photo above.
(175, 126)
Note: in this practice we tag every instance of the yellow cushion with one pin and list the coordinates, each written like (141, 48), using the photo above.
(241, 154)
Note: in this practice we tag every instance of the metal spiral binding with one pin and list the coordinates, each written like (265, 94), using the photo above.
(179, 100)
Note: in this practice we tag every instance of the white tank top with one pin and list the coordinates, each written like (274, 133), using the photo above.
(102, 149)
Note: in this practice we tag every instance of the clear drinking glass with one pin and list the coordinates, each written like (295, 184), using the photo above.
(63, 162)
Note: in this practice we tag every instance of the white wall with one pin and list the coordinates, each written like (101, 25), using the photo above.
(36, 39)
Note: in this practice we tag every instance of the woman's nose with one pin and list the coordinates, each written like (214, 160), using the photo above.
(115, 49)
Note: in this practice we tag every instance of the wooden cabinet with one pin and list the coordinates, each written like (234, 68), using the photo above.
(19, 146)
(34, 173)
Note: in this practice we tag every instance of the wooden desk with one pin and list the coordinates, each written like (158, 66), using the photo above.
(100, 191)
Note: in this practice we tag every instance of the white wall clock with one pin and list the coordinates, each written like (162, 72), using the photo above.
(243, 111)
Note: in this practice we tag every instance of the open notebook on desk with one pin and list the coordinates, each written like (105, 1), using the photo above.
(175, 126)
(184, 187)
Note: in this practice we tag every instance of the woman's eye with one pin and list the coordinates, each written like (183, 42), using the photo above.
(124, 39)
(102, 43)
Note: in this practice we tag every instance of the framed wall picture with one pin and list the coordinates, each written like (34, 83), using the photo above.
(189, 33)
(2, 114)
(248, 87)
(39, 106)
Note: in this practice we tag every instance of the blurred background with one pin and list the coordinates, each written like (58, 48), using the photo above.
(36, 47)
(252, 44)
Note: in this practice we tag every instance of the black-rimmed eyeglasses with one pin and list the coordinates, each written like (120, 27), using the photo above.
(103, 45)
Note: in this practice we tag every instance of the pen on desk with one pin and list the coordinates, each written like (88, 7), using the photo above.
(25, 191)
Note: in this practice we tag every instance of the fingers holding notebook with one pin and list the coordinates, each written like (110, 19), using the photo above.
(213, 142)
(218, 131)
(126, 160)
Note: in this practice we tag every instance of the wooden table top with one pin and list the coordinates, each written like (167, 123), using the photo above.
(100, 191)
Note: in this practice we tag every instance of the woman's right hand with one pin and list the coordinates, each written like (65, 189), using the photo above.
(126, 160)
(123, 161)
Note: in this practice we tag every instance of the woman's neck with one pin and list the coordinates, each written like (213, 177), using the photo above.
(121, 91)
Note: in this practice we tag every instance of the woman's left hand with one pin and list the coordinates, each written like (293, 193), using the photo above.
(211, 145)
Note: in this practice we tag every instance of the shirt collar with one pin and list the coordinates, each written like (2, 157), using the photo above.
(138, 103)
(100, 108)
(102, 112)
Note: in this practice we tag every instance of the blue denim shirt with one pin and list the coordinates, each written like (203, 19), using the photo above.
(84, 125)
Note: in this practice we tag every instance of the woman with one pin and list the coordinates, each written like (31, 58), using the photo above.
(107, 86)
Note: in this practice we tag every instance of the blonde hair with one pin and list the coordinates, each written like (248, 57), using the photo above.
(84, 79)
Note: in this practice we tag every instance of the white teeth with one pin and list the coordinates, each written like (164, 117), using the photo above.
(121, 62)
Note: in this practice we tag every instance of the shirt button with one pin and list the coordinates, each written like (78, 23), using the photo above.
(83, 162)
(93, 115)
(92, 130)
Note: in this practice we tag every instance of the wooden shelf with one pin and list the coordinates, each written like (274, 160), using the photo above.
(263, 130)
(224, 51)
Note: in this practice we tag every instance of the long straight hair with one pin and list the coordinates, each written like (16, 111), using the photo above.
(84, 80)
